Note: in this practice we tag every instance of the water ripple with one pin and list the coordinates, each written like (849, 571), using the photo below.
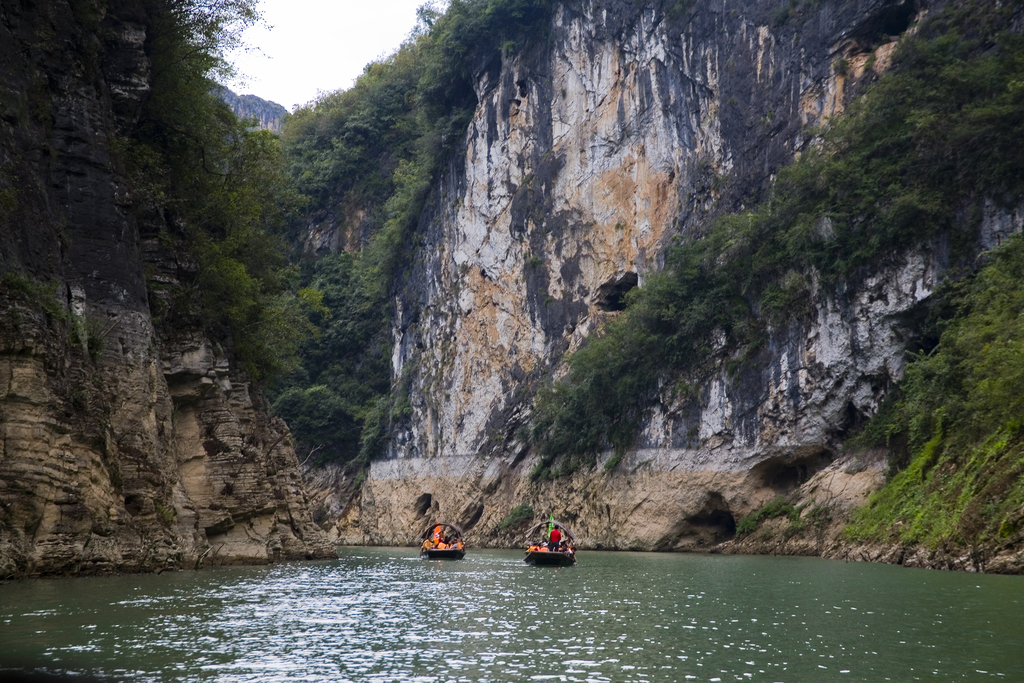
(384, 615)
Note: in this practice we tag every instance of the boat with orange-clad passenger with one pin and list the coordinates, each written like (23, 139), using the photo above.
(559, 551)
(442, 541)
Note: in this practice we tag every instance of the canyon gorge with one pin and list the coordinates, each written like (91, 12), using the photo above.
(135, 440)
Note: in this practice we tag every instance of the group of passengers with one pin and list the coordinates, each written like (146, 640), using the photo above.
(555, 543)
(440, 540)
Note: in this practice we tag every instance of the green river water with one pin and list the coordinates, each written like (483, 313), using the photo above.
(382, 614)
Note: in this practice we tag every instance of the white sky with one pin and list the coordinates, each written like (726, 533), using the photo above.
(318, 45)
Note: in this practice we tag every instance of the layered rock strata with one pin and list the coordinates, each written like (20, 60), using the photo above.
(629, 127)
(122, 447)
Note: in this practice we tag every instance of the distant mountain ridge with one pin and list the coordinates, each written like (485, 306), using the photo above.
(269, 114)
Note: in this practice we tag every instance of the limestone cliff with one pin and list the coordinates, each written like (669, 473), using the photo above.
(267, 114)
(123, 447)
(631, 127)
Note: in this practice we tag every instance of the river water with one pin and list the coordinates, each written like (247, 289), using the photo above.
(382, 614)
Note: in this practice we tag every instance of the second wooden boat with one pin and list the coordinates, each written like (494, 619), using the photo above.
(538, 553)
(551, 558)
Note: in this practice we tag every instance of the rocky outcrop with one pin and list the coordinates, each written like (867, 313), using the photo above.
(704, 461)
(822, 507)
(630, 127)
(122, 448)
(267, 114)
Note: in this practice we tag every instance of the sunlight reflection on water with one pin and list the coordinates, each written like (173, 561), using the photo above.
(381, 614)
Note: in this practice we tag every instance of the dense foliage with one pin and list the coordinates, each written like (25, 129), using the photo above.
(345, 370)
(517, 516)
(938, 134)
(365, 157)
(778, 507)
(215, 189)
(961, 421)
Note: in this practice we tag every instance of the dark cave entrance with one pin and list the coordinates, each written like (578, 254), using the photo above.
(715, 522)
(893, 19)
(422, 505)
(785, 473)
(610, 295)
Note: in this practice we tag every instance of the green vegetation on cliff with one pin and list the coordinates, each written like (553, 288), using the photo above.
(960, 420)
(216, 192)
(366, 157)
(212, 192)
(345, 368)
(911, 162)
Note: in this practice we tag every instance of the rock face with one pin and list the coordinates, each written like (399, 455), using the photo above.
(586, 157)
(268, 114)
(122, 447)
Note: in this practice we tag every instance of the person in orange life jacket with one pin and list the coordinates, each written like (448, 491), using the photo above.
(554, 539)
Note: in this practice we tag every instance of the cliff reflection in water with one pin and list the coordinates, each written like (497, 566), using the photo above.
(383, 614)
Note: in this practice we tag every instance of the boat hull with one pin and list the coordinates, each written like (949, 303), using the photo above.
(445, 554)
(550, 559)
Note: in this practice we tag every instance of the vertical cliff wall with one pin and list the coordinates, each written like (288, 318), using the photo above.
(122, 447)
(634, 125)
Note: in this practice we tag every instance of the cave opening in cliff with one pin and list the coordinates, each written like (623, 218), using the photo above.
(892, 19)
(785, 473)
(714, 526)
(611, 295)
(714, 522)
(423, 504)
(133, 504)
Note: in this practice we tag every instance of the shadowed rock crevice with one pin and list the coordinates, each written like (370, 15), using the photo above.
(785, 473)
(713, 523)
(133, 504)
(471, 515)
(611, 295)
(422, 505)
(891, 19)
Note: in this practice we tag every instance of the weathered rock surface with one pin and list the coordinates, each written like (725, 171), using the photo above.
(122, 448)
(585, 158)
(267, 114)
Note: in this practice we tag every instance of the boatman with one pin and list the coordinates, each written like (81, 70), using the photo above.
(554, 538)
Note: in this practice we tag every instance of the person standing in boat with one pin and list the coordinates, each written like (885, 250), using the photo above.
(554, 538)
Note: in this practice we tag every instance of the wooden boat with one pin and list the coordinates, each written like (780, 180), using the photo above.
(443, 553)
(538, 554)
(550, 558)
(442, 541)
